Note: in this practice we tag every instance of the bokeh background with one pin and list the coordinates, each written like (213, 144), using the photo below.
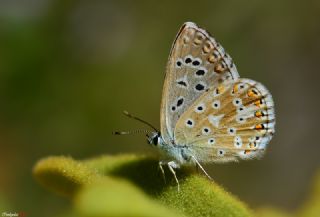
(68, 69)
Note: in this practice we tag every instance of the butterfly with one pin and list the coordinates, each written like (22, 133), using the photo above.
(208, 113)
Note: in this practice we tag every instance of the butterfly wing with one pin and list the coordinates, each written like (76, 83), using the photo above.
(232, 121)
(196, 64)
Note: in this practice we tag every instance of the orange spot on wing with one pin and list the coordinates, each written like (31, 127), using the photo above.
(258, 102)
(219, 68)
(220, 89)
(258, 114)
(211, 59)
(247, 151)
(207, 47)
(235, 88)
(259, 127)
(252, 93)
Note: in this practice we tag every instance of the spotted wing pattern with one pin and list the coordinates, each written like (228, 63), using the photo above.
(197, 63)
(232, 121)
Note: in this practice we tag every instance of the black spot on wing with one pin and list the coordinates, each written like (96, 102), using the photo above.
(199, 87)
(188, 60)
(182, 83)
(196, 63)
(180, 102)
(200, 72)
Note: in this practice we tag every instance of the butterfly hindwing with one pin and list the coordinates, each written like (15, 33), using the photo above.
(197, 63)
(232, 121)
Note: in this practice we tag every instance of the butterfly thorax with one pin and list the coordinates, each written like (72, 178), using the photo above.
(179, 153)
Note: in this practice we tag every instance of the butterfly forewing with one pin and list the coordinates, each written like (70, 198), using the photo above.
(197, 63)
(232, 121)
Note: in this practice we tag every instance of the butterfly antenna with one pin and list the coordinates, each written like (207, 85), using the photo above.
(139, 119)
(130, 132)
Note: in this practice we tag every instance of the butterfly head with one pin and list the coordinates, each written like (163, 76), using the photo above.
(154, 138)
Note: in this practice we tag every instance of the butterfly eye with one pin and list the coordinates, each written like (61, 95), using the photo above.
(155, 141)
(154, 138)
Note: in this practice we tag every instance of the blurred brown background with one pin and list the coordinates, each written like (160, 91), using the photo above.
(69, 68)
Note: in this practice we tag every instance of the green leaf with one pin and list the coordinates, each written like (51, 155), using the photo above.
(271, 212)
(129, 185)
(117, 198)
(63, 174)
(311, 208)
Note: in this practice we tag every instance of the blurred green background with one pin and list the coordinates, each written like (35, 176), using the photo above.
(69, 68)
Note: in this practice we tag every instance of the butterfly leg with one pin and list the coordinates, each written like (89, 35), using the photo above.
(199, 165)
(173, 165)
(162, 170)
(197, 168)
